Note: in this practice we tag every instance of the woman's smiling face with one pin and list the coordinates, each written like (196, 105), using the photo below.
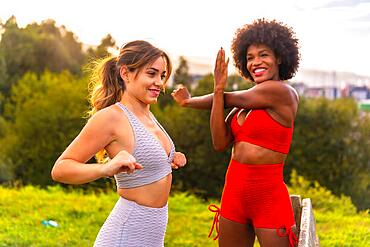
(262, 63)
(148, 83)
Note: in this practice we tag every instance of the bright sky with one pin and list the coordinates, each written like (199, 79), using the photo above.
(333, 34)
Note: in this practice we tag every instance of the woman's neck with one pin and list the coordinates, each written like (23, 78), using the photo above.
(136, 106)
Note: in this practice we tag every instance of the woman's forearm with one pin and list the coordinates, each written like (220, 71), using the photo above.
(69, 171)
(199, 102)
(217, 122)
(206, 101)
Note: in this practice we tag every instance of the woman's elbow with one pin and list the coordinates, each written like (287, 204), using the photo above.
(56, 173)
(219, 147)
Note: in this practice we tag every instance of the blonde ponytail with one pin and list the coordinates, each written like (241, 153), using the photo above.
(106, 85)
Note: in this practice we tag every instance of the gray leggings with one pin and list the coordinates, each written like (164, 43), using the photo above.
(132, 225)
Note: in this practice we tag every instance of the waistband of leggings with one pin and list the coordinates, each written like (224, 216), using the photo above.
(137, 205)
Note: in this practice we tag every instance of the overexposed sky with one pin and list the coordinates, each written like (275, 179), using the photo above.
(333, 34)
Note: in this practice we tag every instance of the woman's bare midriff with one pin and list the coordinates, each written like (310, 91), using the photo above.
(153, 195)
(247, 153)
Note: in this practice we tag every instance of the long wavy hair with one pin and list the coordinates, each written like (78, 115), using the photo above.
(106, 85)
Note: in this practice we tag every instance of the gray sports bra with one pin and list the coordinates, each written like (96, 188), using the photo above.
(148, 152)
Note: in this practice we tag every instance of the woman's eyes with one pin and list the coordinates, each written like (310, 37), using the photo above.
(152, 74)
(262, 55)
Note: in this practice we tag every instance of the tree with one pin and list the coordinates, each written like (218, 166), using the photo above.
(331, 145)
(181, 75)
(104, 49)
(46, 113)
(236, 82)
(36, 48)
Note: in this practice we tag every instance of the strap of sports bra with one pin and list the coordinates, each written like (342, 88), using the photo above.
(128, 113)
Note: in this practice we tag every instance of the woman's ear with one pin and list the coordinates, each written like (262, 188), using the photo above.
(278, 61)
(123, 72)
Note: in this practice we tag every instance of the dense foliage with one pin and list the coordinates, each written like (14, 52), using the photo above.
(42, 110)
(45, 115)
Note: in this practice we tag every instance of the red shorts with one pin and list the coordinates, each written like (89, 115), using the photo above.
(257, 195)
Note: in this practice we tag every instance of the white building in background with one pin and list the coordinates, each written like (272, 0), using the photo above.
(318, 78)
(307, 82)
(359, 93)
(332, 85)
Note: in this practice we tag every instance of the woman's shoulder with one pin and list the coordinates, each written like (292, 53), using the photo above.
(110, 115)
(272, 84)
(293, 92)
(281, 88)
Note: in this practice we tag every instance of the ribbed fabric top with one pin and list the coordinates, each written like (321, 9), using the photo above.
(261, 129)
(148, 152)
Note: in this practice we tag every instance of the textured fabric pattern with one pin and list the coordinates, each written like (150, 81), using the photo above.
(132, 225)
(256, 194)
(148, 152)
(261, 129)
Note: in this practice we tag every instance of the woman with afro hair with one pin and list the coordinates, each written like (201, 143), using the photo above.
(255, 200)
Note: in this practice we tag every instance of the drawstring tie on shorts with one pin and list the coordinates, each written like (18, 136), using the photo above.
(214, 209)
(293, 240)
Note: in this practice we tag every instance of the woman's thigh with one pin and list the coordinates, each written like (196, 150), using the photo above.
(235, 234)
(270, 238)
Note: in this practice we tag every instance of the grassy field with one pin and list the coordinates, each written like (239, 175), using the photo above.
(80, 217)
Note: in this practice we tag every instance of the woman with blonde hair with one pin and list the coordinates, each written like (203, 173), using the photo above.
(140, 153)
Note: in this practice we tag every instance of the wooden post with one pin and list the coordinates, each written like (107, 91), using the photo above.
(296, 204)
(307, 234)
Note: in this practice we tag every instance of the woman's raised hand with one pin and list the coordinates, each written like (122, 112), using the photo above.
(179, 160)
(220, 72)
(122, 162)
(181, 95)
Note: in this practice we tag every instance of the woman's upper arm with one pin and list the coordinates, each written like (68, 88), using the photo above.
(229, 136)
(264, 95)
(95, 136)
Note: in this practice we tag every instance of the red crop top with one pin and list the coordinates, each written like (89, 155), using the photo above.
(261, 129)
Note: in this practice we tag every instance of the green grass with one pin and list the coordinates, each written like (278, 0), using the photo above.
(343, 230)
(80, 217)
(337, 222)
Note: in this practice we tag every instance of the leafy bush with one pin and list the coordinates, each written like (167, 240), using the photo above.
(43, 116)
